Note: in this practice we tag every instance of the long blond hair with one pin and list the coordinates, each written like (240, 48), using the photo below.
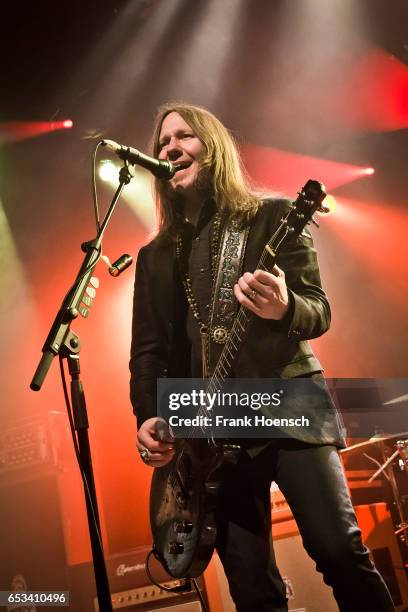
(221, 172)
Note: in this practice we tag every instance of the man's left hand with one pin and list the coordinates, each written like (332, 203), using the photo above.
(265, 293)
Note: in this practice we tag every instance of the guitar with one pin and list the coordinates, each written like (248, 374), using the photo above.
(183, 493)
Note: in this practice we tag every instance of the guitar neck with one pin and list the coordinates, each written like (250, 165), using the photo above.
(299, 213)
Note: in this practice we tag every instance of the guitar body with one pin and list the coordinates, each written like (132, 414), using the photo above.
(183, 502)
(184, 493)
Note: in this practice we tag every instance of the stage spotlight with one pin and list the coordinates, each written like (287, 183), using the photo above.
(108, 171)
(278, 170)
(13, 131)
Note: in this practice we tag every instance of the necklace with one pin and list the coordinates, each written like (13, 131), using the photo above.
(188, 287)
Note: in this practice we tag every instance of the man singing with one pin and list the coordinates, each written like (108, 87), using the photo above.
(173, 305)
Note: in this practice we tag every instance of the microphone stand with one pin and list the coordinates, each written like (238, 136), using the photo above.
(62, 341)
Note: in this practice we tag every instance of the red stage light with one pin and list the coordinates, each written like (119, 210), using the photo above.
(277, 170)
(12, 131)
(361, 226)
(375, 95)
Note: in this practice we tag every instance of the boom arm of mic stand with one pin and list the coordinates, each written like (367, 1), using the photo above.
(69, 308)
(68, 311)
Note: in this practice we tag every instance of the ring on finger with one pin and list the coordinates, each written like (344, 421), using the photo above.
(145, 455)
(252, 294)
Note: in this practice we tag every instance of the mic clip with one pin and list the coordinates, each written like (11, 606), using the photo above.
(120, 265)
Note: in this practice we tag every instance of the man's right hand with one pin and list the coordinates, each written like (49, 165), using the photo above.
(148, 438)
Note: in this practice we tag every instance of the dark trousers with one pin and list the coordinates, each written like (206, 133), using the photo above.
(313, 482)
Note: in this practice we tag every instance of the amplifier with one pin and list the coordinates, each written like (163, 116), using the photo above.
(361, 491)
(29, 445)
(378, 534)
(130, 586)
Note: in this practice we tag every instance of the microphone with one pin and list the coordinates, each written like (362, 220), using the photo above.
(161, 168)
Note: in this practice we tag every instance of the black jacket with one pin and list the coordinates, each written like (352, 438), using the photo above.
(160, 346)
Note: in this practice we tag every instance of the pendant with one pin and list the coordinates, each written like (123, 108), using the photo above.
(219, 335)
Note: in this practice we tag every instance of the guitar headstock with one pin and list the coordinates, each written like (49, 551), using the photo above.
(309, 200)
(301, 211)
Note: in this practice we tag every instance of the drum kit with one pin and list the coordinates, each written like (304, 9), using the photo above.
(399, 459)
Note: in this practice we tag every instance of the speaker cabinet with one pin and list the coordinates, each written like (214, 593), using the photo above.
(305, 588)
(32, 550)
(43, 527)
(378, 534)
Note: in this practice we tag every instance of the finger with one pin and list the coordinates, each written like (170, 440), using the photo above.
(244, 300)
(152, 445)
(158, 464)
(153, 457)
(158, 461)
(245, 288)
(269, 278)
(251, 290)
(275, 271)
(151, 437)
(149, 457)
(262, 289)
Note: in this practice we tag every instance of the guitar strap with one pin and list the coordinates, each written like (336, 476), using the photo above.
(224, 305)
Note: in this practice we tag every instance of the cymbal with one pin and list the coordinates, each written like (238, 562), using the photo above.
(397, 400)
(351, 450)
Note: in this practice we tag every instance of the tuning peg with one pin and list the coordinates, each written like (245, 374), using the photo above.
(324, 210)
(84, 311)
(313, 220)
(88, 296)
(88, 301)
(91, 292)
